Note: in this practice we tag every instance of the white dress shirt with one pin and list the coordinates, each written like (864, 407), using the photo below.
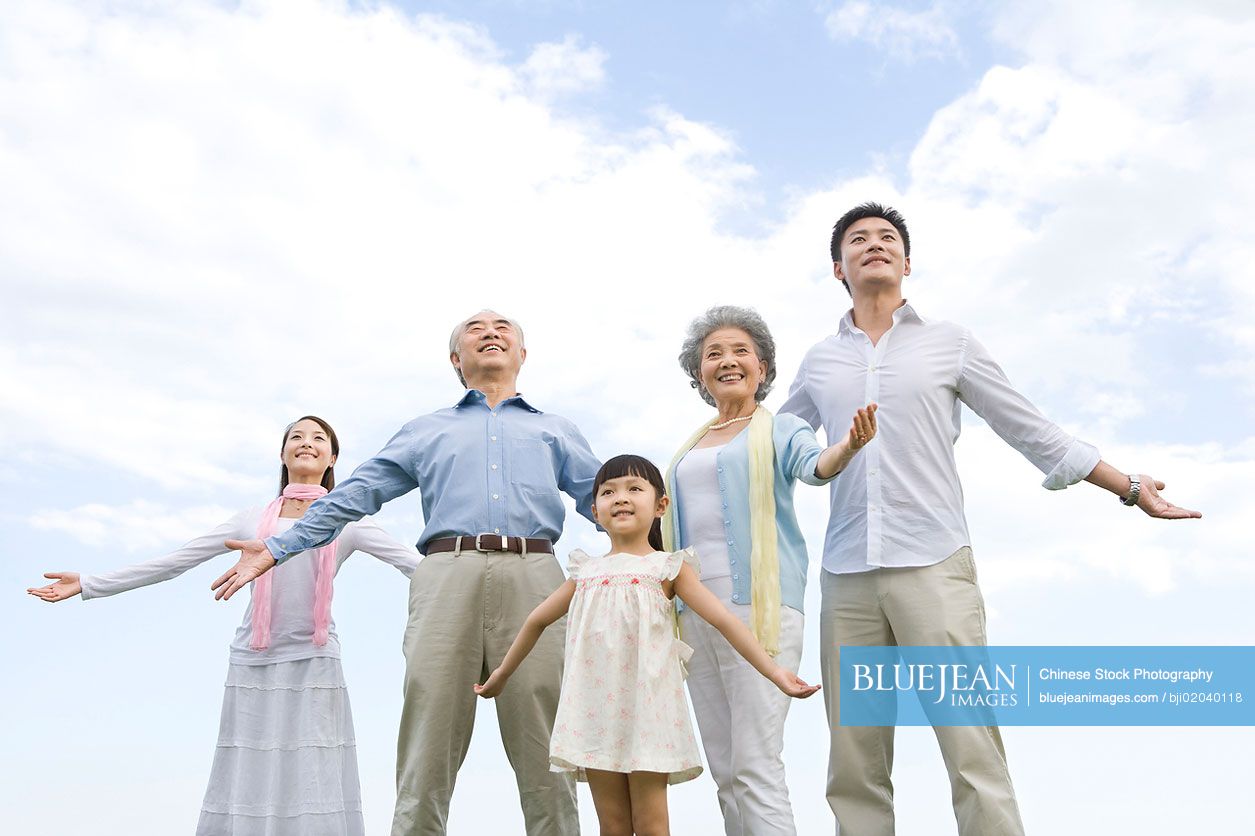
(899, 502)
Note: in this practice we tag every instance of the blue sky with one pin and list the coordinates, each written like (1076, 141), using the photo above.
(217, 217)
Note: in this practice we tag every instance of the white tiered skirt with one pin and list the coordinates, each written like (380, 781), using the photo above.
(286, 762)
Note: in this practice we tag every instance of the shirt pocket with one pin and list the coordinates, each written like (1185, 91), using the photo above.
(532, 466)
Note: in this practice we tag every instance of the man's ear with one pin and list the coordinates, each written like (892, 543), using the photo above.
(456, 360)
(906, 266)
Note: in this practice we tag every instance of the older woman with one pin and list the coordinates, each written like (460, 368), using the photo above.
(732, 488)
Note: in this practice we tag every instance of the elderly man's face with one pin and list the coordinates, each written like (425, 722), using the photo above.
(489, 346)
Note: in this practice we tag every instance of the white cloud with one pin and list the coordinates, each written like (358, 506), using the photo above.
(904, 35)
(564, 67)
(134, 526)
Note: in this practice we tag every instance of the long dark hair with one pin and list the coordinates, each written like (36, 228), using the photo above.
(329, 477)
(643, 468)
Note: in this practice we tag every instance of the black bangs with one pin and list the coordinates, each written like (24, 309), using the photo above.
(629, 465)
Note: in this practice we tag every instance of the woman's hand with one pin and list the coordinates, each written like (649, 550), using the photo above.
(66, 586)
(492, 686)
(791, 684)
(863, 428)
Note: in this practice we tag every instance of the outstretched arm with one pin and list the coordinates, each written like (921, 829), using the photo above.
(1105, 476)
(549, 611)
(158, 569)
(387, 475)
(862, 430)
(703, 602)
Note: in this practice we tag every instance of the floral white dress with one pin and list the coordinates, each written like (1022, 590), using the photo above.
(622, 707)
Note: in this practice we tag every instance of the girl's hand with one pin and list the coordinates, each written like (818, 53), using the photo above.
(863, 428)
(492, 686)
(792, 684)
(66, 586)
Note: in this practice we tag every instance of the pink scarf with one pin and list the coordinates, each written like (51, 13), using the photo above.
(326, 570)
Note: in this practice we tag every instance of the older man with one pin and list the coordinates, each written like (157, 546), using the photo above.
(897, 566)
(489, 469)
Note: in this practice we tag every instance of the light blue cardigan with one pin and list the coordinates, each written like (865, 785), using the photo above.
(797, 453)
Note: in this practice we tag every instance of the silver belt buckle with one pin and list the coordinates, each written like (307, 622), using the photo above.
(501, 541)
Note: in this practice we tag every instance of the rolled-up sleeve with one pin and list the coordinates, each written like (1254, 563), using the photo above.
(984, 387)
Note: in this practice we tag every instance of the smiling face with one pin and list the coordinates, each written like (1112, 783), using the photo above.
(490, 347)
(307, 451)
(873, 256)
(731, 369)
(627, 506)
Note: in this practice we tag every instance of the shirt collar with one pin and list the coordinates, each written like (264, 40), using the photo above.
(905, 311)
(476, 396)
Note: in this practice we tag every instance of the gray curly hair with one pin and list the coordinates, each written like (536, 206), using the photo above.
(728, 316)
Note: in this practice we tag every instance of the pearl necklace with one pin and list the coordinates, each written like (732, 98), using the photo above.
(728, 423)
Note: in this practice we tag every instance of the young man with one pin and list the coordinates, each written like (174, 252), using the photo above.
(489, 469)
(897, 565)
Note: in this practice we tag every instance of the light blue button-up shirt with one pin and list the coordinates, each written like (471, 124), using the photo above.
(797, 453)
(480, 471)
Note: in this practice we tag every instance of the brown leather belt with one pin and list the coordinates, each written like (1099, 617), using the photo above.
(488, 543)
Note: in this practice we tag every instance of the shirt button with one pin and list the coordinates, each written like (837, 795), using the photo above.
(736, 577)
(729, 542)
(721, 470)
(494, 496)
(496, 531)
(871, 368)
(872, 472)
(492, 438)
(494, 467)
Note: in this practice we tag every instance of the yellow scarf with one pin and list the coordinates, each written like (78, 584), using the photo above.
(764, 559)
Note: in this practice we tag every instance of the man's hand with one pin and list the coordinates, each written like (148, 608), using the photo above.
(255, 561)
(1156, 506)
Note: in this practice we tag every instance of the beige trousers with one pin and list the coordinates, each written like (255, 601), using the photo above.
(926, 605)
(465, 610)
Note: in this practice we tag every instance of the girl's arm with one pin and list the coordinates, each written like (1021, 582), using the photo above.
(703, 602)
(549, 611)
(367, 537)
(862, 429)
(158, 569)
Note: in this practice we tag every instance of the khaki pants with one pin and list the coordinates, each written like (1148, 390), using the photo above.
(465, 610)
(927, 605)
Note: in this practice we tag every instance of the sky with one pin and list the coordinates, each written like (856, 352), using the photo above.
(216, 217)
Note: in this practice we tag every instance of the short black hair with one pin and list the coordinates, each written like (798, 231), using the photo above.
(858, 213)
(643, 468)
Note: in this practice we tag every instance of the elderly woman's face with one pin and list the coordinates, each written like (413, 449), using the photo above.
(731, 369)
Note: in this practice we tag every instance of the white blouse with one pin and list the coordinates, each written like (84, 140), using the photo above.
(292, 602)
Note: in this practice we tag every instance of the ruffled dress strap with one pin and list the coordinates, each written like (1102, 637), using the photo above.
(575, 563)
(671, 566)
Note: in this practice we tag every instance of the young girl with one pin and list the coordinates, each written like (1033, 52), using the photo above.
(623, 722)
(286, 762)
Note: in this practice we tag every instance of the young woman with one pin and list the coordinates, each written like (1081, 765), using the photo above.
(286, 762)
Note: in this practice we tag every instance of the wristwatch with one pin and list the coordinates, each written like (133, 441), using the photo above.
(1135, 490)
